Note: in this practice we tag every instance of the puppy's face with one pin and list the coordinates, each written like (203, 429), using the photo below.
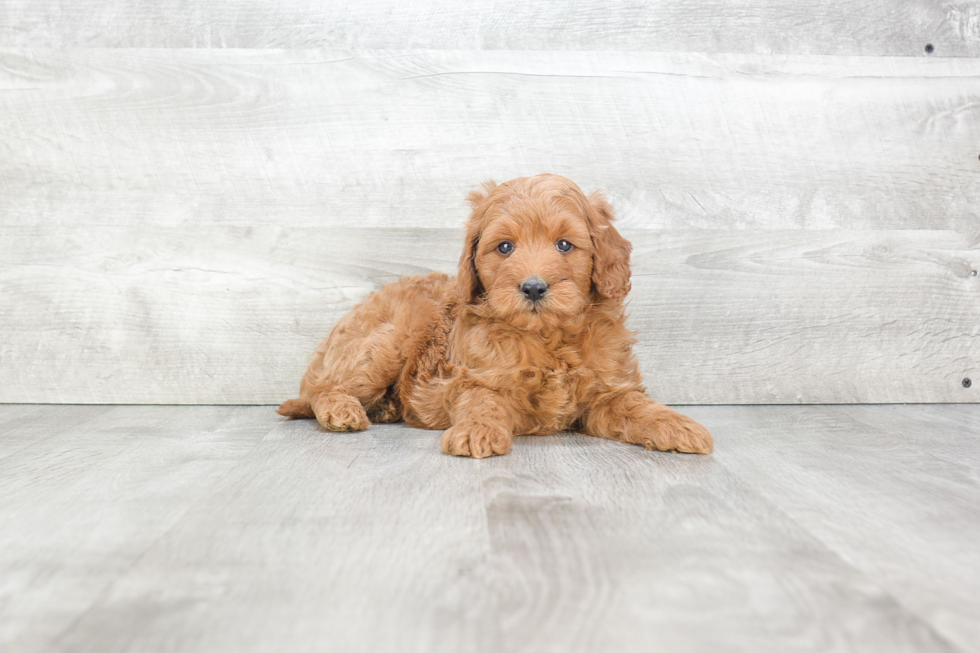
(534, 256)
(539, 251)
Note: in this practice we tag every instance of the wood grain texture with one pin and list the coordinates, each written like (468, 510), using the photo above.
(176, 225)
(858, 477)
(778, 27)
(366, 542)
(671, 554)
(91, 491)
(230, 314)
(398, 138)
(19, 424)
(811, 528)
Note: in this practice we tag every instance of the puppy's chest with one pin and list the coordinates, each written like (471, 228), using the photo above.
(551, 394)
(551, 372)
(545, 379)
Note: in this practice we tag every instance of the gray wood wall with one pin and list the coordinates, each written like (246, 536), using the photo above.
(191, 195)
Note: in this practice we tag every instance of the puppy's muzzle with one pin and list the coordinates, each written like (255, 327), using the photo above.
(534, 288)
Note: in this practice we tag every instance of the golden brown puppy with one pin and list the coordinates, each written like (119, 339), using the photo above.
(528, 339)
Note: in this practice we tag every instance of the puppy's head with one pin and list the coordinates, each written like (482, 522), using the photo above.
(538, 250)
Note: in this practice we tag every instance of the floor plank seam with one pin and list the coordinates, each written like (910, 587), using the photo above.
(104, 592)
(907, 611)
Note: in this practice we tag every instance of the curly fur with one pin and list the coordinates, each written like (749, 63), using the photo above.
(471, 355)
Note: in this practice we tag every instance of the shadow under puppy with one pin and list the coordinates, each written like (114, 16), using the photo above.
(528, 339)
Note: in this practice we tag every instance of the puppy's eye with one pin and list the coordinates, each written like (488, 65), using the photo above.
(505, 247)
(563, 245)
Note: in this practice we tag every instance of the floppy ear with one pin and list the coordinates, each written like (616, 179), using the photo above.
(468, 279)
(611, 258)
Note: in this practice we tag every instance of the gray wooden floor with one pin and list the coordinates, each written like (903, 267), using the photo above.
(812, 528)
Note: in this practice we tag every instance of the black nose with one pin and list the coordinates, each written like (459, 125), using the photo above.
(534, 288)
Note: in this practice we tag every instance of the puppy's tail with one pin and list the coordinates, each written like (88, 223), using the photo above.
(296, 408)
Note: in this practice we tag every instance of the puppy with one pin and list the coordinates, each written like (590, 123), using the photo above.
(528, 339)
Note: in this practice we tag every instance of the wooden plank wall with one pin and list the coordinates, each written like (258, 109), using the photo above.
(191, 195)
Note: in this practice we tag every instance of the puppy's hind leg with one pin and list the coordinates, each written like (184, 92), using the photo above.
(336, 409)
(353, 370)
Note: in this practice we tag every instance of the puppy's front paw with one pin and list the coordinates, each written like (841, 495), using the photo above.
(476, 440)
(680, 433)
(340, 412)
